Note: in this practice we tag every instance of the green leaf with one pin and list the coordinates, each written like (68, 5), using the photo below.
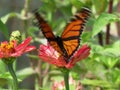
(6, 17)
(60, 3)
(100, 5)
(111, 50)
(102, 21)
(86, 36)
(116, 76)
(116, 45)
(3, 81)
(78, 4)
(109, 62)
(81, 3)
(2, 67)
(4, 78)
(6, 75)
(99, 83)
(22, 74)
(4, 29)
(48, 6)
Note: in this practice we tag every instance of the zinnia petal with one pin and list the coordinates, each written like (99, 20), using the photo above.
(29, 48)
(24, 44)
(48, 54)
(10, 49)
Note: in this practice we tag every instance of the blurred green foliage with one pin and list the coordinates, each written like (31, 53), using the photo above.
(100, 70)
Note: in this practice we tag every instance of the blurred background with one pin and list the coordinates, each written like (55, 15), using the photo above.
(100, 71)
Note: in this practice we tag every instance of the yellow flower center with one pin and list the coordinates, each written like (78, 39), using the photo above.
(7, 48)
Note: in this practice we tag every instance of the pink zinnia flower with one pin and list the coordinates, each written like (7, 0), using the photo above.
(60, 85)
(11, 49)
(50, 55)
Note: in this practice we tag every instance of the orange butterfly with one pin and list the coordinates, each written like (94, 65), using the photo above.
(67, 44)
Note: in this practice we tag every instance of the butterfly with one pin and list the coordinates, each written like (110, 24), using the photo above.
(68, 43)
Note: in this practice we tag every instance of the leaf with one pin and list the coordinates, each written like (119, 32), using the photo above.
(99, 83)
(6, 17)
(6, 75)
(22, 74)
(98, 4)
(86, 36)
(102, 21)
(4, 29)
(2, 67)
(111, 52)
(4, 78)
(3, 81)
(110, 62)
(77, 3)
(116, 76)
(48, 6)
(60, 3)
(116, 45)
(81, 3)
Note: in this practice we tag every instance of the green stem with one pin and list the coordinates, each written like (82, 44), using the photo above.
(10, 68)
(66, 79)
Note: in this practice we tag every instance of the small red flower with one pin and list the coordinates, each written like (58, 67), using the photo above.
(11, 49)
(50, 55)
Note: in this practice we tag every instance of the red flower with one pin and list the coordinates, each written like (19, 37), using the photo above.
(11, 49)
(50, 55)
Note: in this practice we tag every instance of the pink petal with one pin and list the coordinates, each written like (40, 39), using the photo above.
(15, 43)
(48, 54)
(23, 47)
(4, 42)
(19, 53)
(82, 53)
(48, 50)
(29, 48)
(16, 54)
(24, 44)
(69, 65)
(52, 60)
(1, 56)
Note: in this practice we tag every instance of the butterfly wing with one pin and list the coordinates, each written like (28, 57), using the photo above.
(70, 37)
(72, 32)
(47, 32)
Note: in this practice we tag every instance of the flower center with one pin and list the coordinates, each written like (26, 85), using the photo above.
(7, 48)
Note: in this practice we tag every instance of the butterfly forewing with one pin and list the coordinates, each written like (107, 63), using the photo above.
(44, 26)
(47, 31)
(72, 32)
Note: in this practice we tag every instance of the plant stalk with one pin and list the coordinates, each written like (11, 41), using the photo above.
(100, 39)
(108, 26)
(66, 79)
(15, 81)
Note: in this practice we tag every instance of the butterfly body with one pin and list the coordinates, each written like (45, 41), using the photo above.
(60, 44)
(68, 43)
